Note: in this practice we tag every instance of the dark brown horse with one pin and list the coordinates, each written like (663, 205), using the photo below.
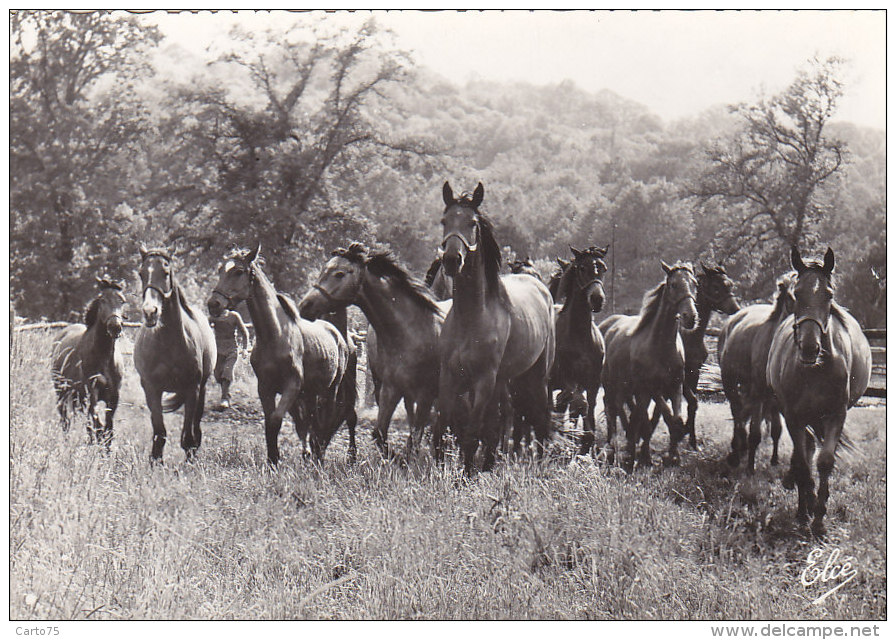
(498, 334)
(302, 362)
(743, 347)
(819, 365)
(405, 322)
(86, 365)
(645, 361)
(715, 292)
(175, 352)
(580, 345)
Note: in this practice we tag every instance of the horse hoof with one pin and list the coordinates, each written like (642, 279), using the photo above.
(671, 460)
(818, 529)
(787, 481)
(733, 460)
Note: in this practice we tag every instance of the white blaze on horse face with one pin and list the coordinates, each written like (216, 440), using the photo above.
(230, 264)
(152, 299)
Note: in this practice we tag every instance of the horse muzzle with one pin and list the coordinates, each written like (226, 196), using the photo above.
(687, 313)
(311, 307)
(596, 297)
(214, 304)
(114, 327)
(151, 315)
(453, 261)
(731, 306)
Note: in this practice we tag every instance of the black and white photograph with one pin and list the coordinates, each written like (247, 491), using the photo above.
(394, 315)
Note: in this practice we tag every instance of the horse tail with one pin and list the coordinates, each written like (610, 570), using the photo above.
(174, 402)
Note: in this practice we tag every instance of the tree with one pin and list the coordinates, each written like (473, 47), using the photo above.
(73, 120)
(768, 175)
(274, 138)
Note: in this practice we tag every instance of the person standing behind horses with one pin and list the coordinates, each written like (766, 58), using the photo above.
(226, 325)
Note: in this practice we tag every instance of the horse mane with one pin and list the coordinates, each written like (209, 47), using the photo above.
(289, 307)
(431, 273)
(783, 293)
(650, 305)
(236, 253)
(383, 264)
(653, 298)
(565, 283)
(491, 252)
(91, 311)
(182, 300)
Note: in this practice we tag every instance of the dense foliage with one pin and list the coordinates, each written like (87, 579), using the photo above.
(312, 137)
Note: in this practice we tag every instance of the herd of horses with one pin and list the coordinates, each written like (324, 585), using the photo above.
(488, 351)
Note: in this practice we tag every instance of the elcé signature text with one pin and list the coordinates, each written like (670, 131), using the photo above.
(832, 569)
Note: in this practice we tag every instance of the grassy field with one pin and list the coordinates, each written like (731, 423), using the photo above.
(107, 536)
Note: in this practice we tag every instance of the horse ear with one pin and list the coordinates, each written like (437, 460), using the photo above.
(143, 251)
(254, 253)
(478, 194)
(666, 267)
(100, 280)
(829, 261)
(706, 269)
(575, 251)
(795, 260)
(447, 194)
(606, 249)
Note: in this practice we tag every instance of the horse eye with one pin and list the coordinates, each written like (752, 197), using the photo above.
(339, 274)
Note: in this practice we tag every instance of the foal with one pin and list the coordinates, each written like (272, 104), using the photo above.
(86, 365)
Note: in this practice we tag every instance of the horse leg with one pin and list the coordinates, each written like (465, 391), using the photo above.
(95, 427)
(690, 394)
(800, 472)
(755, 436)
(332, 413)
(388, 400)
(187, 441)
(775, 421)
(739, 414)
(112, 396)
(491, 432)
(832, 426)
(197, 415)
(588, 424)
(610, 411)
(638, 422)
(421, 417)
(159, 435)
(411, 418)
(644, 459)
(479, 424)
(671, 412)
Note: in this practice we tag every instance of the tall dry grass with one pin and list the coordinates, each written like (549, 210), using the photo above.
(107, 536)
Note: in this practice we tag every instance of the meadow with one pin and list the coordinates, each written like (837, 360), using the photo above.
(108, 536)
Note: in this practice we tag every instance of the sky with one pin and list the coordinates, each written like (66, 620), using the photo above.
(677, 63)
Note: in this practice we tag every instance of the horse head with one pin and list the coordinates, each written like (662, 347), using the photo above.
(524, 266)
(236, 275)
(339, 283)
(681, 289)
(157, 280)
(813, 295)
(461, 227)
(107, 309)
(588, 269)
(715, 290)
